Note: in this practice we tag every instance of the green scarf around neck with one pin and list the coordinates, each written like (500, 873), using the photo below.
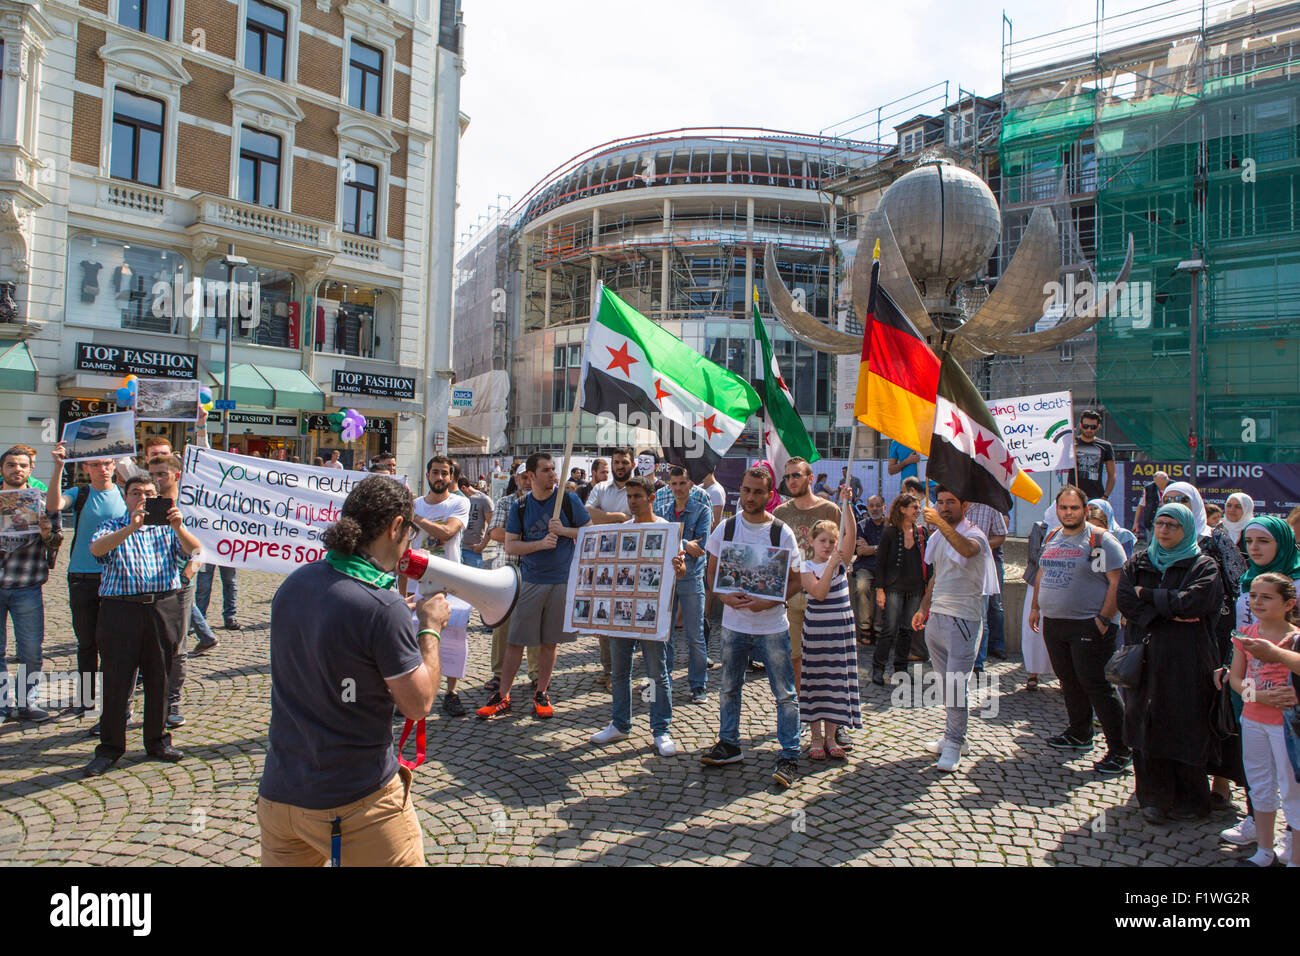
(1164, 558)
(357, 567)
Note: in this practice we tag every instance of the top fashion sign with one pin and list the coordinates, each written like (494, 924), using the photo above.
(120, 360)
(380, 386)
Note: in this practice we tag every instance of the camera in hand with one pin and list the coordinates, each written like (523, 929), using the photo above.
(155, 510)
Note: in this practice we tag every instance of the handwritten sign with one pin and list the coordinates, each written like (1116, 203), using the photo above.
(1038, 429)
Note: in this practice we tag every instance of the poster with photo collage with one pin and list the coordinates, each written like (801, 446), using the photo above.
(621, 582)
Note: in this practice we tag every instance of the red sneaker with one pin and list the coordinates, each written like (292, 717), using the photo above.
(495, 707)
(542, 705)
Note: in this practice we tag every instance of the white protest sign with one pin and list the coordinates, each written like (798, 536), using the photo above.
(1038, 429)
(621, 580)
(259, 513)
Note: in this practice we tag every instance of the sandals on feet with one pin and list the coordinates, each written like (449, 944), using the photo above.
(835, 752)
(817, 753)
(1032, 683)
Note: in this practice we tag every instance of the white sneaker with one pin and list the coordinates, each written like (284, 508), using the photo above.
(936, 747)
(664, 744)
(949, 760)
(608, 735)
(1284, 847)
(1242, 834)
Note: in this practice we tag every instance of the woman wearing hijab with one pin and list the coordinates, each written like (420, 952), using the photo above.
(1170, 593)
(1216, 543)
(1102, 515)
(1238, 511)
(776, 495)
(1037, 663)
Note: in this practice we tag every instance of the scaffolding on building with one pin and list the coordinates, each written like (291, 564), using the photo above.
(1181, 126)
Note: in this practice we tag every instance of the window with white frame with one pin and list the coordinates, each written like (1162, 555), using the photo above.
(259, 168)
(148, 16)
(266, 39)
(365, 77)
(360, 197)
(136, 152)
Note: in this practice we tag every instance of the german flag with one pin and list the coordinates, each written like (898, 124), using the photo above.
(899, 375)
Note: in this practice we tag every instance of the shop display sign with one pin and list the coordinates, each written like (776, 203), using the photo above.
(147, 363)
(379, 386)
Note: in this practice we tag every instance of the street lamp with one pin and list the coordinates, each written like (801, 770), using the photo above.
(231, 262)
(1195, 268)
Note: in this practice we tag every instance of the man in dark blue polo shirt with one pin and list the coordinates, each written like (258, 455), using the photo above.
(344, 650)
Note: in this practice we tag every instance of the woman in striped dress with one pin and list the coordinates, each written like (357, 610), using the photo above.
(828, 696)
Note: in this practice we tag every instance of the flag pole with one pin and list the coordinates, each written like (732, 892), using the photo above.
(563, 474)
(853, 433)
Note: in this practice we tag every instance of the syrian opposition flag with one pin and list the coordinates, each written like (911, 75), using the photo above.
(967, 453)
(784, 436)
(645, 377)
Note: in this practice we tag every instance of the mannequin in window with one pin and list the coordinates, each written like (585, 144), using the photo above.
(366, 321)
(122, 280)
(341, 331)
(90, 280)
(320, 328)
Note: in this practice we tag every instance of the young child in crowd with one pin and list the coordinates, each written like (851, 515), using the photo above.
(828, 695)
(1264, 687)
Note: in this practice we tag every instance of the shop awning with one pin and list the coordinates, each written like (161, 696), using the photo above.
(17, 369)
(462, 442)
(268, 386)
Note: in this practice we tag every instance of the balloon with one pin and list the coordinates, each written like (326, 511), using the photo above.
(354, 425)
(133, 386)
(124, 397)
(205, 398)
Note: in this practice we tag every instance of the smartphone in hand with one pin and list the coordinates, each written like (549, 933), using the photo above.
(155, 510)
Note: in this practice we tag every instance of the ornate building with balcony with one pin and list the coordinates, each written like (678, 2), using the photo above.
(140, 140)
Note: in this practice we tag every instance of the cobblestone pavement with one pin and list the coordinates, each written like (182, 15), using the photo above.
(520, 790)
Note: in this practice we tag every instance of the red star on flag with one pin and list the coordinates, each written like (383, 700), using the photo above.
(1009, 465)
(955, 424)
(708, 424)
(982, 445)
(659, 392)
(620, 360)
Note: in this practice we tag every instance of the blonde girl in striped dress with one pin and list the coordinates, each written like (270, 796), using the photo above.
(828, 695)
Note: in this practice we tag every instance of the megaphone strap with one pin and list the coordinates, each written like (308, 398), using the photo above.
(419, 744)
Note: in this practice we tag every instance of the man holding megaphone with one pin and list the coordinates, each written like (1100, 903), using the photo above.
(344, 651)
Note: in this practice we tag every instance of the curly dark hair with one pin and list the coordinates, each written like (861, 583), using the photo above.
(370, 508)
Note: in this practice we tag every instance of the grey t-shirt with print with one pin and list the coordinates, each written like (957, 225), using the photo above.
(1073, 585)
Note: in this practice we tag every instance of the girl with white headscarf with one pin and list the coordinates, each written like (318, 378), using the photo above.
(1105, 514)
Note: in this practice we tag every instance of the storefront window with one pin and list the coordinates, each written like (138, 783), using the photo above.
(117, 285)
(264, 301)
(357, 320)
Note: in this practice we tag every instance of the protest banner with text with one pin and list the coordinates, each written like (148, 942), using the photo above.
(260, 514)
(1038, 429)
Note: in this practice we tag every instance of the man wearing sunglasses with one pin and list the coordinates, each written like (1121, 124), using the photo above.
(1093, 457)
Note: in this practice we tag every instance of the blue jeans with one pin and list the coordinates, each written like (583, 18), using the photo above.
(27, 609)
(203, 591)
(471, 558)
(774, 650)
(199, 623)
(995, 634)
(690, 597)
(654, 653)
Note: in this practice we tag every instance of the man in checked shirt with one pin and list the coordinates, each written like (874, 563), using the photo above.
(139, 620)
(496, 530)
(994, 525)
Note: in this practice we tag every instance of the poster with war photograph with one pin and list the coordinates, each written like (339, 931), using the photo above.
(760, 572)
(100, 436)
(166, 400)
(21, 511)
(620, 579)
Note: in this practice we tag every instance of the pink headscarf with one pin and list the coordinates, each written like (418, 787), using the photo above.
(776, 498)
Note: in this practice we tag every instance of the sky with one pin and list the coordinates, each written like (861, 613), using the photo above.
(548, 79)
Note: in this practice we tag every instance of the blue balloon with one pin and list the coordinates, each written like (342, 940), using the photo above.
(124, 396)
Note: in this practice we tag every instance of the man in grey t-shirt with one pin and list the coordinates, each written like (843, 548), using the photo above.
(1075, 599)
(952, 614)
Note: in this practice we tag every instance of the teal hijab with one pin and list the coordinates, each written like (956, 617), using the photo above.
(1287, 559)
(1164, 558)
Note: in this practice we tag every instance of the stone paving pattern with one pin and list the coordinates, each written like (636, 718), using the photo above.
(521, 791)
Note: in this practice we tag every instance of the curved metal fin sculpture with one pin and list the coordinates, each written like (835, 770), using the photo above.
(1016, 302)
(893, 275)
(798, 321)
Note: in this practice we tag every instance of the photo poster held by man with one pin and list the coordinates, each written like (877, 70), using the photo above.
(258, 513)
(100, 436)
(167, 400)
(21, 511)
(760, 572)
(642, 556)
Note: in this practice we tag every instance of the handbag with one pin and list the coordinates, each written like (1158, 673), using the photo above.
(1223, 716)
(1124, 669)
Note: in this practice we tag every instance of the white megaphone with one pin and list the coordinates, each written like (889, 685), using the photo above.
(491, 593)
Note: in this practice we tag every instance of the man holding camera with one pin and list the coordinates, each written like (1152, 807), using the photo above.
(141, 555)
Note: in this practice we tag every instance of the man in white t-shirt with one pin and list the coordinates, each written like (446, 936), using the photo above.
(755, 624)
(717, 495)
(442, 516)
(952, 614)
(334, 460)
(607, 504)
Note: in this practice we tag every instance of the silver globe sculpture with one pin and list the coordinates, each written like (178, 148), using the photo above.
(937, 226)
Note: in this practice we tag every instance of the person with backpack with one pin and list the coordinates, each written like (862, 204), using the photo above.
(757, 624)
(91, 505)
(1074, 603)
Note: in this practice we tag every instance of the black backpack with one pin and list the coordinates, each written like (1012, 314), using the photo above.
(729, 530)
